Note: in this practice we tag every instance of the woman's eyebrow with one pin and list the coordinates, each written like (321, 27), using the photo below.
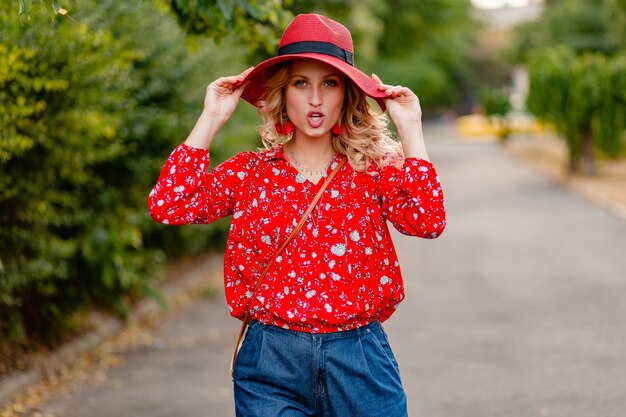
(329, 75)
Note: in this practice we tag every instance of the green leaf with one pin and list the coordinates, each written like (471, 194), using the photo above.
(24, 6)
(226, 7)
(154, 294)
(50, 6)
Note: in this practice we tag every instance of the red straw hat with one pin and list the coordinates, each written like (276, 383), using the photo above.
(316, 37)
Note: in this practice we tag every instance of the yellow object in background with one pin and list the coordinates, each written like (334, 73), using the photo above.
(477, 126)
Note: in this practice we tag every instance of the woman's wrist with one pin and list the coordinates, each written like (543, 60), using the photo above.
(412, 139)
(205, 130)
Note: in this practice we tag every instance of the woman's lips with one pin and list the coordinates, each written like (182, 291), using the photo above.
(315, 119)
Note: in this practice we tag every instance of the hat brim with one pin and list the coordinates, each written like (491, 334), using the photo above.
(257, 79)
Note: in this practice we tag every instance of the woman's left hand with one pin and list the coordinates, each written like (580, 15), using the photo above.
(406, 113)
(402, 104)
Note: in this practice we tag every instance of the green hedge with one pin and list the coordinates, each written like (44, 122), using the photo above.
(584, 96)
(90, 107)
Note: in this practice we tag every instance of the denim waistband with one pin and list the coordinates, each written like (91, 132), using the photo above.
(375, 325)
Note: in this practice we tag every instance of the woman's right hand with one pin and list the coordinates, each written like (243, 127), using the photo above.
(221, 99)
(222, 96)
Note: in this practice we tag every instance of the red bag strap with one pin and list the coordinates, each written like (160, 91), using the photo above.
(294, 232)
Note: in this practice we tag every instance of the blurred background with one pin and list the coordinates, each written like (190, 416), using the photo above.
(95, 94)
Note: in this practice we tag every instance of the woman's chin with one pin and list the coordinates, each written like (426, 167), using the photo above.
(314, 133)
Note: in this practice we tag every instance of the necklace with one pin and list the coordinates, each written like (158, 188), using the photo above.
(317, 212)
(310, 172)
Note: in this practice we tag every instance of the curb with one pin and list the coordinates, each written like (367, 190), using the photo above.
(200, 277)
(599, 199)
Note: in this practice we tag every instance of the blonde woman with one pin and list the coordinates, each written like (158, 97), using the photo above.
(309, 262)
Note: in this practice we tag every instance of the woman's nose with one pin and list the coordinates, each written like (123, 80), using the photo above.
(315, 98)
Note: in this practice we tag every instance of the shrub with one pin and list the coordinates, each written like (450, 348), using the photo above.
(89, 110)
(581, 96)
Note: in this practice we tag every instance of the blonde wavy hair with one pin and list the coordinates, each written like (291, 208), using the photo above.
(367, 139)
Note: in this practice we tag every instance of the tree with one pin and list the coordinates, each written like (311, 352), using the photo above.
(584, 97)
(426, 46)
(581, 25)
(54, 8)
(85, 125)
(257, 24)
(576, 60)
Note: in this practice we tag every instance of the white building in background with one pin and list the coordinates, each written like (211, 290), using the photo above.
(509, 13)
(498, 21)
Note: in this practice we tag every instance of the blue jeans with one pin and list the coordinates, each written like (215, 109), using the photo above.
(284, 373)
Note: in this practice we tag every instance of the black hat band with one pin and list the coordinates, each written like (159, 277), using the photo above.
(325, 48)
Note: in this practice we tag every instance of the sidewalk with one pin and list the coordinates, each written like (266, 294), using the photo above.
(90, 356)
(517, 310)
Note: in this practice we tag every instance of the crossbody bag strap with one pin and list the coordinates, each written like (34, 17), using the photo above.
(293, 234)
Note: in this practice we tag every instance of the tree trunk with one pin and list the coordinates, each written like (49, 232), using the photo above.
(574, 154)
(572, 165)
(588, 157)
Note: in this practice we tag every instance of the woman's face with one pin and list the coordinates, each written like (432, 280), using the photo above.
(314, 98)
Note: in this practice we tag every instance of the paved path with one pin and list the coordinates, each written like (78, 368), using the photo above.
(518, 310)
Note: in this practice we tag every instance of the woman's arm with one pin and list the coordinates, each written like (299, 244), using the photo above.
(412, 198)
(185, 191)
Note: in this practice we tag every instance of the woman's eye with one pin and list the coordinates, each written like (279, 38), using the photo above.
(332, 83)
(300, 83)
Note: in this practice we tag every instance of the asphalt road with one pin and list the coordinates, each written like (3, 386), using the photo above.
(518, 310)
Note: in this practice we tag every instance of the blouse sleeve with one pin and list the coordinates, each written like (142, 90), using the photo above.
(187, 193)
(412, 198)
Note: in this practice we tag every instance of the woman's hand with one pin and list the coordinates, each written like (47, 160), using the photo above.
(221, 99)
(402, 104)
(406, 113)
(222, 96)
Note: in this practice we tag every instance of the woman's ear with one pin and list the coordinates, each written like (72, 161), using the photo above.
(260, 107)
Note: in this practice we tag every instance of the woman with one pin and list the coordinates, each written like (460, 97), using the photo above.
(315, 345)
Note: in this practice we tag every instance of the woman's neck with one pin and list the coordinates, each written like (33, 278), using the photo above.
(310, 157)
(313, 154)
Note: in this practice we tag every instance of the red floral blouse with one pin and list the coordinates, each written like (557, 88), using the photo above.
(341, 270)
